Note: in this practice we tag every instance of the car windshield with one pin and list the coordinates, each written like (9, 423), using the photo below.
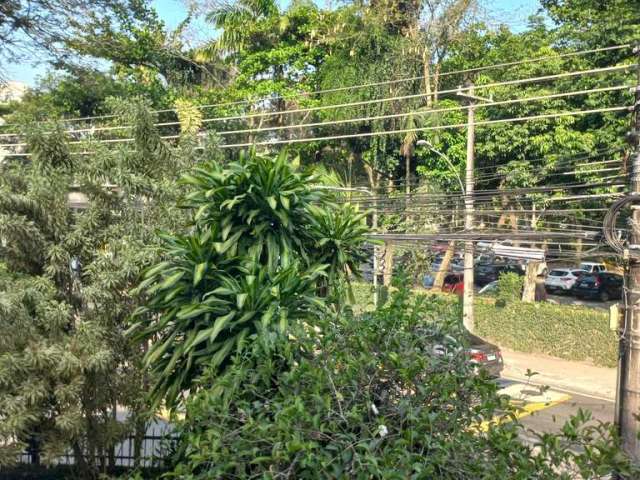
(558, 273)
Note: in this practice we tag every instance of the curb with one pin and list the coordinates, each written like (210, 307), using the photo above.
(539, 381)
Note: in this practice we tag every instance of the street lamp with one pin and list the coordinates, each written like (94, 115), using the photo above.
(426, 143)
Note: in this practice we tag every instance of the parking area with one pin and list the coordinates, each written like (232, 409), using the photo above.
(571, 300)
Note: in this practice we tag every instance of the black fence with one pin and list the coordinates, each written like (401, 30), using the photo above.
(151, 452)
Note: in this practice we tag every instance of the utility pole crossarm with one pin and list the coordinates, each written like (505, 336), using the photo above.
(470, 96)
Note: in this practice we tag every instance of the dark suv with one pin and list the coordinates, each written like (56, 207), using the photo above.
(603, 286)
(485, 273)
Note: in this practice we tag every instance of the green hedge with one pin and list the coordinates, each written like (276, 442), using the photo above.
(563, 331)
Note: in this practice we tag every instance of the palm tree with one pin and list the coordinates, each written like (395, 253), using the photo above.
(236, 21)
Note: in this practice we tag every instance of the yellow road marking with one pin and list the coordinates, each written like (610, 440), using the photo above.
(527, 401)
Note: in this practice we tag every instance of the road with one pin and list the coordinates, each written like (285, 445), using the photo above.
(547, 412)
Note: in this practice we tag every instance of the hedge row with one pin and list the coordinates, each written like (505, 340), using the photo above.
(562, 331)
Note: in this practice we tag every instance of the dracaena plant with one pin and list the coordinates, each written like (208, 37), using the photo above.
(262, 201)
(204, 302)
(338, 243)
(264, 244)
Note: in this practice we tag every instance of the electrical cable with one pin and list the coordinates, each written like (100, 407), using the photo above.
(388, 82)
(388, 132)
(609, 225)
(424, 129)
(331, 123)
(388, 99)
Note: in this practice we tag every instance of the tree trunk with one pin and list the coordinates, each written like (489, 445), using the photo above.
(579, 250)
(438, 282)
(426, 71)
(407, 174)
(513, 219)
(112, 447)
(138, 440)
(84, 469)
(33, 448)
(436, 83)
(350, 169)
(529, 291)
(503, 216)
(387, 274)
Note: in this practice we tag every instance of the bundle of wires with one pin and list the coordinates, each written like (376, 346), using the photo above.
(609, 224)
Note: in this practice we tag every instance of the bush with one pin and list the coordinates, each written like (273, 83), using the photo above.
(563, 331)
(367, 397)
(509, 288)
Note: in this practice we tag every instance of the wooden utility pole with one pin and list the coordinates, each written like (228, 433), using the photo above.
(628, 395)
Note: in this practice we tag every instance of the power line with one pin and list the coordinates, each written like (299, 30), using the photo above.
(479, 194)
(352, 120)
(375, 84)
(388, 132)
(423, 129)
(421, 95)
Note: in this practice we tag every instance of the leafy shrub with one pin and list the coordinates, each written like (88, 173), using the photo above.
(509, 288)
(368, 397)
(571, 332)
(564, 331)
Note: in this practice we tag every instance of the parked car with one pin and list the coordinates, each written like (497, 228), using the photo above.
(482, 355)
(489, 289)
(453, 283)
(487, 273)
(455, 267)
(485, 355)
(562, 279)
(593, 267)
(603, 286)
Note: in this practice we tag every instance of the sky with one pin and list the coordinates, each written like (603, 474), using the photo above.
(514, 13)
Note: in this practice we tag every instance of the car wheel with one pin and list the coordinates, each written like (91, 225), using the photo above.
(604, 297)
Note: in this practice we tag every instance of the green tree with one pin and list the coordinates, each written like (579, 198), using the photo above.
(76, 231)
(47, 28)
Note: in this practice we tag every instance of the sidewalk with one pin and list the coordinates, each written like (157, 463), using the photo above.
(577, 377)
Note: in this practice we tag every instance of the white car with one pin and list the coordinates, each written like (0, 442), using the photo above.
(593, 267)
(562, 279)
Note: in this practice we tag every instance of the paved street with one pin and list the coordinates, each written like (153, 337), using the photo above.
(549, 411)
